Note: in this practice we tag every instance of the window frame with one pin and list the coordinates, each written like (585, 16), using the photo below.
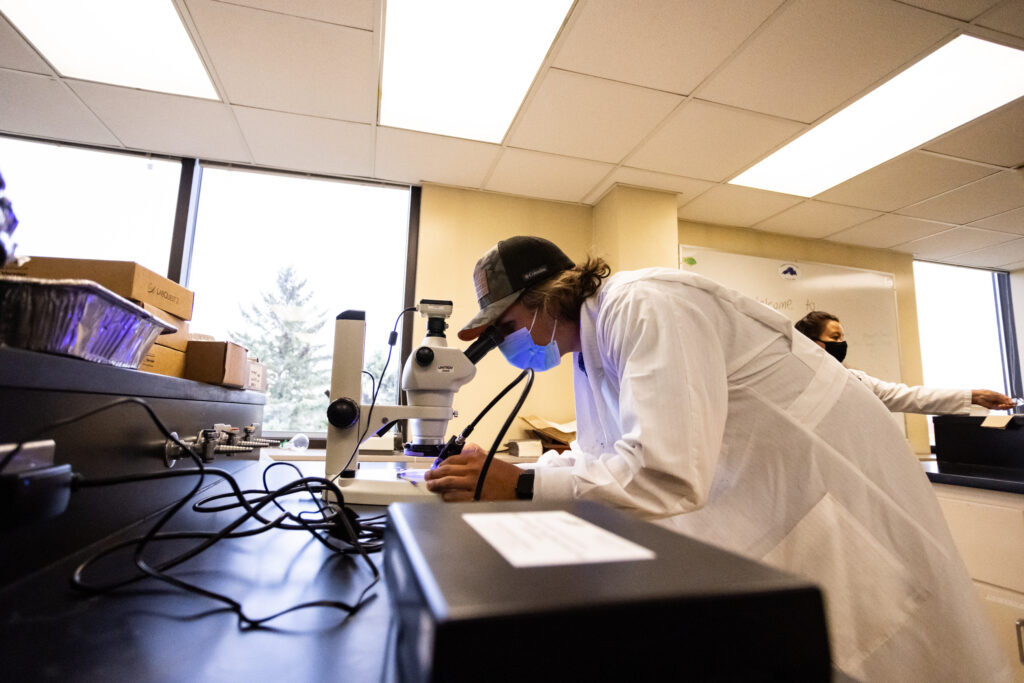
(1008, 344)
(179, 260)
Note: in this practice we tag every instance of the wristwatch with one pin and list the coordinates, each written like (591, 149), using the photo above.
(524, 485)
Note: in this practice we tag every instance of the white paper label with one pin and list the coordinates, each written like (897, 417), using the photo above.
(996, 421)
(552, 537)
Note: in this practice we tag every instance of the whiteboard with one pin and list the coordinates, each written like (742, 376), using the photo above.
(863, 300)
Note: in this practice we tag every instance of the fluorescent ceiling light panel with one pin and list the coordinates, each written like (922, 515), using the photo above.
(134, 43)
(959, 82)
(463, 67)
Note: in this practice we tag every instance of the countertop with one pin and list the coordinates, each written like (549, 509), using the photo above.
(975, 476)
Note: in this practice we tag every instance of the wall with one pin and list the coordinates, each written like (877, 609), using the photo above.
(456, 228)
(636, 228)
(757, 243)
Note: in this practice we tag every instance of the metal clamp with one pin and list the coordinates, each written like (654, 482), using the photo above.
(223, 439)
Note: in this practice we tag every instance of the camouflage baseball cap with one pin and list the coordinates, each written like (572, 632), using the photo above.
(508, 268)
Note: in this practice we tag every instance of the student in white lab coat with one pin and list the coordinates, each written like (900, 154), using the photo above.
(825, 330)
(701, 410)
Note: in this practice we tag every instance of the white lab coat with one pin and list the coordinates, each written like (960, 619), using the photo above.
(701, 410)
(899, 398)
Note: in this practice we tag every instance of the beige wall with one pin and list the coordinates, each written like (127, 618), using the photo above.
(636, 228)
(757, 243)
(456, 228)
(630, 227)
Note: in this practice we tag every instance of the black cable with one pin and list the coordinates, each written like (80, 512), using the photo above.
(464, 434)
(504, 428)
(373, 382)
(392, 338)
(305, 485)
(89, 413)
(209, 538)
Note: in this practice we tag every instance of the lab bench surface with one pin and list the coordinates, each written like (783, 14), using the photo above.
(151, 631)
(975, 476)
(40, 390)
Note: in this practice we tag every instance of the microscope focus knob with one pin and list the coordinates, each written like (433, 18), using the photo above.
(343, 413)
(424, 356)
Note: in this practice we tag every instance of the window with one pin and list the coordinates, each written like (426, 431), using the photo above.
(81, 203)
(277, 257)
(965, 340)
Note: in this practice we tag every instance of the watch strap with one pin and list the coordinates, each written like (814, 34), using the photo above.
(524, 485)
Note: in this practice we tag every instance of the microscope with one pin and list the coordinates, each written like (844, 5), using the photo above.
(431, 376)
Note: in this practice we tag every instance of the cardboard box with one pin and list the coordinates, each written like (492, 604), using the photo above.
(164, 360)
(551, 431)
(257, 376)
(217, 362)
(124, 278)
(175, 340)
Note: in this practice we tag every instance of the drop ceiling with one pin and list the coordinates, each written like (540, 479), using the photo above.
(674, 95)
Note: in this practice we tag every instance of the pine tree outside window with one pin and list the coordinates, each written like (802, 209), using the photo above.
(277, 257)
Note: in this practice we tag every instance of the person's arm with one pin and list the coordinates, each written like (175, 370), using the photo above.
(900, 398)
(663, 356)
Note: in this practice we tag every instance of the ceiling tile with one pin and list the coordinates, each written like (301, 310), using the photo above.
(711, 142)
(987, 197)
(1011, 221)
(354, 13)
(274, 61)
(828, 52)
(815, 219)
(412, 157)
(307, 143)
(996, 256)
(587, 117)
(685, 188)
(736, 205)
(168, 124)
(663, 44)
(1007, 17)
(887, 231)
(18, 54)
(997, 138)
(965, 10)
(952, 242)
(533, 174)
(47, 108)
(905, 180)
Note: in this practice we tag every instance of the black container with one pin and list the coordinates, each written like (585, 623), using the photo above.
(962, 440)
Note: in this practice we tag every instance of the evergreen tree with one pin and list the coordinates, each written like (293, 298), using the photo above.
(388, 394)
(280, 333)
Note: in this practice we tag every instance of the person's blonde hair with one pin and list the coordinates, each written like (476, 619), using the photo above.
(562, 296)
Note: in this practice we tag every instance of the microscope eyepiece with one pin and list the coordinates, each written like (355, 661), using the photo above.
(488, 340)
(436, 327)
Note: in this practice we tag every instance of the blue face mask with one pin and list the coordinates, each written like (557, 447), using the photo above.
(519, 350)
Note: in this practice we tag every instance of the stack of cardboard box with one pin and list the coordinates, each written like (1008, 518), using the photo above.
(173, 354)
(163, 298)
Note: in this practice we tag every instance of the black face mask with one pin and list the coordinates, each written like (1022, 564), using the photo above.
(835, 349)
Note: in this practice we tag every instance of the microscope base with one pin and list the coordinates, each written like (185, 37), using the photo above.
(376, 492)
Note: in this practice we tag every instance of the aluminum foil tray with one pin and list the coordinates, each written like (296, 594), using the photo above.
(75, 318)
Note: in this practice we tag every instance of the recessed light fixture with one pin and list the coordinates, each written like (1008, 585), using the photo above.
(959, 82)
(462, 67)
(134, 43)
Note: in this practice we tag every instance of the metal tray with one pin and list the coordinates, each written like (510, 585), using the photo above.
(75, 318)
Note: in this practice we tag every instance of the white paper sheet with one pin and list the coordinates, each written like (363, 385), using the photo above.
(996, 421)
(552, 537)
